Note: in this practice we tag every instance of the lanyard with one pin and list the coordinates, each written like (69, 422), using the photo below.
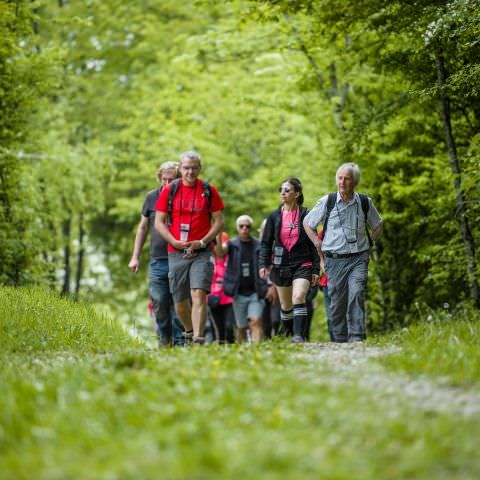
(343, 227)
(193, 202)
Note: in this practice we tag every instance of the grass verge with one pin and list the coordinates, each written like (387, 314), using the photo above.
(34, 320)
(444, 344)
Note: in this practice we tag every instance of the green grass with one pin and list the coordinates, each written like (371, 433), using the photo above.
(442, 345)
(34, 320)
(263, 412)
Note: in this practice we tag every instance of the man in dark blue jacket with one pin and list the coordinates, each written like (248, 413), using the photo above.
(241, 280)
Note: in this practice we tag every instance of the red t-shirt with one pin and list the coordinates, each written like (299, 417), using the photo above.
(190, 207)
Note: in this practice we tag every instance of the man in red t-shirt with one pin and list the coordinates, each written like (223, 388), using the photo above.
(189, 228)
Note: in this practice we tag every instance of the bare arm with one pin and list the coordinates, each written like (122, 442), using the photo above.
(221, 249)
(377, 231)
(313, 236)
(162, 229)
(140, 237)
(215, 228)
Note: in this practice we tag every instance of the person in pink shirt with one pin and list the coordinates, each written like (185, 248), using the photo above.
(219, 304)
(289, 256)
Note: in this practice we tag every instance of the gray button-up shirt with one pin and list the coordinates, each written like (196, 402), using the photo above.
(346, 224)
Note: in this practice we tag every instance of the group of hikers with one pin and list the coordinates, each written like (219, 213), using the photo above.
(197, 273)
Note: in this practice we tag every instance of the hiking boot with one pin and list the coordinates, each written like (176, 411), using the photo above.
(298, 339)
(188, 338)
(164, 342)
(199, 340)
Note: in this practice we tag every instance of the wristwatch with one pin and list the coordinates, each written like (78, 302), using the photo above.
(202, 244)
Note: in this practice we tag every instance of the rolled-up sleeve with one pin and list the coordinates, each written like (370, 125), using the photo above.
(317, 213)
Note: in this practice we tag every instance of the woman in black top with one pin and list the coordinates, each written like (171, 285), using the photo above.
(289, 256)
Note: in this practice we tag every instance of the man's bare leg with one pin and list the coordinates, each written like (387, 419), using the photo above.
(256, 327)
(184, 312)
(199, 311)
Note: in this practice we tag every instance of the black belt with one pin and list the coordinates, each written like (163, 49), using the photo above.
(198, 250)
(341, 255)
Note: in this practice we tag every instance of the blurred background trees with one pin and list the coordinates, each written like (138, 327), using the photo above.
(95, 95)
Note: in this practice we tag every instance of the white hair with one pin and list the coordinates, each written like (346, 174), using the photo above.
(354, 172)
(191, 155)
(244, 218)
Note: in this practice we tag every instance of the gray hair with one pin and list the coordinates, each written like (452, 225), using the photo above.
(354, 172)
(192, 155)
(167, 166)
(244, 218)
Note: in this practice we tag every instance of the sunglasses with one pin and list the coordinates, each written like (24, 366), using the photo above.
(284, 190)
(245, 226)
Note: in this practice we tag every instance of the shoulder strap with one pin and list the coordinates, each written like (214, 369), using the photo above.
(171, 196)
(207, 193)
(365, 207)
(332, 198)
(365, 204)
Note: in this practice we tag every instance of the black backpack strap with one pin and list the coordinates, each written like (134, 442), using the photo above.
(207, 193)
(332, 198)
(365, 207)
(365, 204)
(171, 196)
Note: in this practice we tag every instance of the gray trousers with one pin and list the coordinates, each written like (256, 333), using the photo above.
(347, 282)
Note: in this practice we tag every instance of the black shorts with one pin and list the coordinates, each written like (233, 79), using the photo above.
(283, 276)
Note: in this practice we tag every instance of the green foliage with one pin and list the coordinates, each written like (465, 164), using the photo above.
(37, 320)
(263, 89)
(439, 343)
(22, 80)
(391, 127)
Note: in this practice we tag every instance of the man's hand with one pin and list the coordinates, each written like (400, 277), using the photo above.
(315, 279)
(134, 265)
(271, 294)
(177, 244)
(194, 245)
(263, 273)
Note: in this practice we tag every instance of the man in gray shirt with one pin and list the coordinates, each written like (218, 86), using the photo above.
(167, 325)
(344, 251)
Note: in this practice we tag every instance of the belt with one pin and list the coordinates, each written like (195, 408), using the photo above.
(342, 255)
(198, 250)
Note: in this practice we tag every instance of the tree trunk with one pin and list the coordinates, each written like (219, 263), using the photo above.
(66, 255)
(80, 256)
(460, 209)
(342, 97)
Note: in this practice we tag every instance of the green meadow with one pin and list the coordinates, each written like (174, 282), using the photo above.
(81, 399)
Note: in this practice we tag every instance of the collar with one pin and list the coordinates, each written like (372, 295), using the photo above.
(355, 198)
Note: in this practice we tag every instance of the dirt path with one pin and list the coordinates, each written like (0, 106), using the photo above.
(355, 363)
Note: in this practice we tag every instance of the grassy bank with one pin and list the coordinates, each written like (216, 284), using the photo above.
(36, 320)
(441, 345)
(270, 411)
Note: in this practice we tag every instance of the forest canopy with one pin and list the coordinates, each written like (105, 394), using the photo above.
(95, 95)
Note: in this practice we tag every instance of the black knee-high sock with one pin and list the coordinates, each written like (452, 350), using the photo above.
(299, 319)
(286, 316)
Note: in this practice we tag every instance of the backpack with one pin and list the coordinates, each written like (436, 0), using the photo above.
(332, 199)
(206, 192)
